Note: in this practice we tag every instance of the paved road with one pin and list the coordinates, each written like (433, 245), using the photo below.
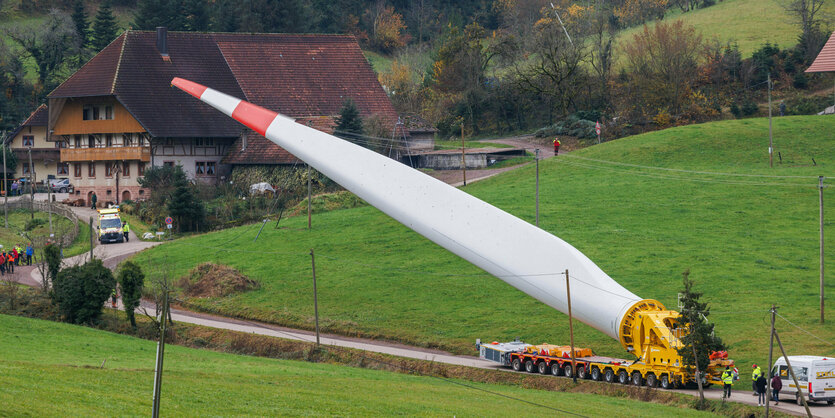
(112, 253)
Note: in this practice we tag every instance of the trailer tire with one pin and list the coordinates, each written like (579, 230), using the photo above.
(543, 367)
(581, 372)
(555, 368)
(652, 381)
(529, 366)
(636, 379)
(623, 377)
(566, 370)
(516, 364)
(595, 373)
(609, 376)
(665, 382)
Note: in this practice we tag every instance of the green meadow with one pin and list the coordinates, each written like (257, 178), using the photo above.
(54, 369)
(749, 240)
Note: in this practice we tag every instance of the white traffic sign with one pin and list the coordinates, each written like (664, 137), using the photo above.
(169, 226)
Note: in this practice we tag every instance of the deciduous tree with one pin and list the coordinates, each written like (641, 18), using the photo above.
(131, 281)
(80, 291)
(49, 45)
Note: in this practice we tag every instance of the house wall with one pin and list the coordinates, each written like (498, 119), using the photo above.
(105, 186)
(188, 152)
(45, 155)
(71, 121)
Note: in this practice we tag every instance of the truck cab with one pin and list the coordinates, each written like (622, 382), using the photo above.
(816, 376)
(109, 227)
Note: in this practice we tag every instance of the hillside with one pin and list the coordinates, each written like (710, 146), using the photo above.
(749, 23)
(83, 372)
(749, 241)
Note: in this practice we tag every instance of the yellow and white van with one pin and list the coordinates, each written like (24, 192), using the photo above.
(815, 374)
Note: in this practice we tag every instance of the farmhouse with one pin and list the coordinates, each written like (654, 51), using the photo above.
(29, 141)
(118, 114)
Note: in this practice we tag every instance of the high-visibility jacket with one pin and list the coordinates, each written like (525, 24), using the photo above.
(125, 228)
(756, 374)
(728, 377)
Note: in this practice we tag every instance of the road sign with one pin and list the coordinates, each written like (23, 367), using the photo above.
(169, 226)
(597, 128)
(169, 220)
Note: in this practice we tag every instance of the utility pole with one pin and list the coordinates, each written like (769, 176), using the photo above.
(315, 296)
(463, 155)
(570, 328)
(5, 185)
(118, 169)
(31, 185)
(49, 205)
(770, 138)
(820, 195)
(770, 358)
(794, 378)
(536, 157)
(160, 354)
(309, 222)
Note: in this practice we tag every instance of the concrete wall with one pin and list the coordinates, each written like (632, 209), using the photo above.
(451, 161)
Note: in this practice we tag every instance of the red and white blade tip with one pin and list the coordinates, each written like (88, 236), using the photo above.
(254, 117)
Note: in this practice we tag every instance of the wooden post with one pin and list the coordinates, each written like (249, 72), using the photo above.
(160, 355)
(820, 196)
(537, 186)
(31, 185)
(315, 296)
(570, 328)
(463, 155)
(770, 137)
(770, 359)
(5, 185)
(91, 238)
(308, 197)
(794, 378)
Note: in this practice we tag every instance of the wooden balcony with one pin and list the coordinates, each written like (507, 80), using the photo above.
(38, 154)
(106, 154)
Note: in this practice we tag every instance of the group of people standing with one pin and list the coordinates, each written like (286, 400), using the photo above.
(759, 384)
(16, 188)
(11, 258)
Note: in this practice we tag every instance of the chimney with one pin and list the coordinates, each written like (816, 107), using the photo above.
(162, 41)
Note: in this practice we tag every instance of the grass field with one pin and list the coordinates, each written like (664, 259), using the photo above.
(749, 23)
(66, 377)
(748, 241)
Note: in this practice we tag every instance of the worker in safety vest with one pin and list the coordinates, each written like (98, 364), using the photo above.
(126, 231)
(728, 381)
(754, 376)
(556, 146)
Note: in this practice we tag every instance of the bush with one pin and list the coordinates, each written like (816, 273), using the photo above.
(34, 223)
(807, 105)
(80, 291)
(800, 81)
(131, 280)
(572, 125)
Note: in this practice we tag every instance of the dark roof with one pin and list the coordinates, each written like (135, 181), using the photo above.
(40, 117)
(296, 75)
(825, 61)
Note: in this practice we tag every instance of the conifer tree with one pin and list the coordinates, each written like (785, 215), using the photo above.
(349, 122)
(82, 25)
(104, 27)
(699, 337)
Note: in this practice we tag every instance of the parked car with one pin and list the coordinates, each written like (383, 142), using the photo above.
(61, 186)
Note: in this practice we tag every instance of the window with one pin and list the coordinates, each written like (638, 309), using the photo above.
(91, 170)
(127, 140)
(63, 169)
(199, 168)
(168, 163)
(61, 144)
(126, 168)
(109, 168)
(204, 142)
(76, 168)
(28, 141)
(108, 140)
(78, 141)
(97, 112)
(91, 141)
(25, 169)
(210, 168)
(141, 140)
(140, 168)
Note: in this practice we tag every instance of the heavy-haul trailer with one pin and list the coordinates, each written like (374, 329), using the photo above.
(511, 249)
(666, 373)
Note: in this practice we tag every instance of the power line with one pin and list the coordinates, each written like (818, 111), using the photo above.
(807, 332)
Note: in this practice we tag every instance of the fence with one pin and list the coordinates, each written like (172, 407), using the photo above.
(58, 209)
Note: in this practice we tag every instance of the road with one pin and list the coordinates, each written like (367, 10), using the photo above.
(111, 254)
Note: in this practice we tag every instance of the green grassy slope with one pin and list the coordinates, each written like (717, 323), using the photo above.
(65, 377)
(750, 23)
(749, 242)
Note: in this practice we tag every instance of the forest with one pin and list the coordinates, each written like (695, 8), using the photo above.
(493, 66)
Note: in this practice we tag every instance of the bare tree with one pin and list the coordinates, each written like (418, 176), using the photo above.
(50, 44)
(806, 13)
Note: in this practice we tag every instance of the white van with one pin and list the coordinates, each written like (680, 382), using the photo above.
(816, 376)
